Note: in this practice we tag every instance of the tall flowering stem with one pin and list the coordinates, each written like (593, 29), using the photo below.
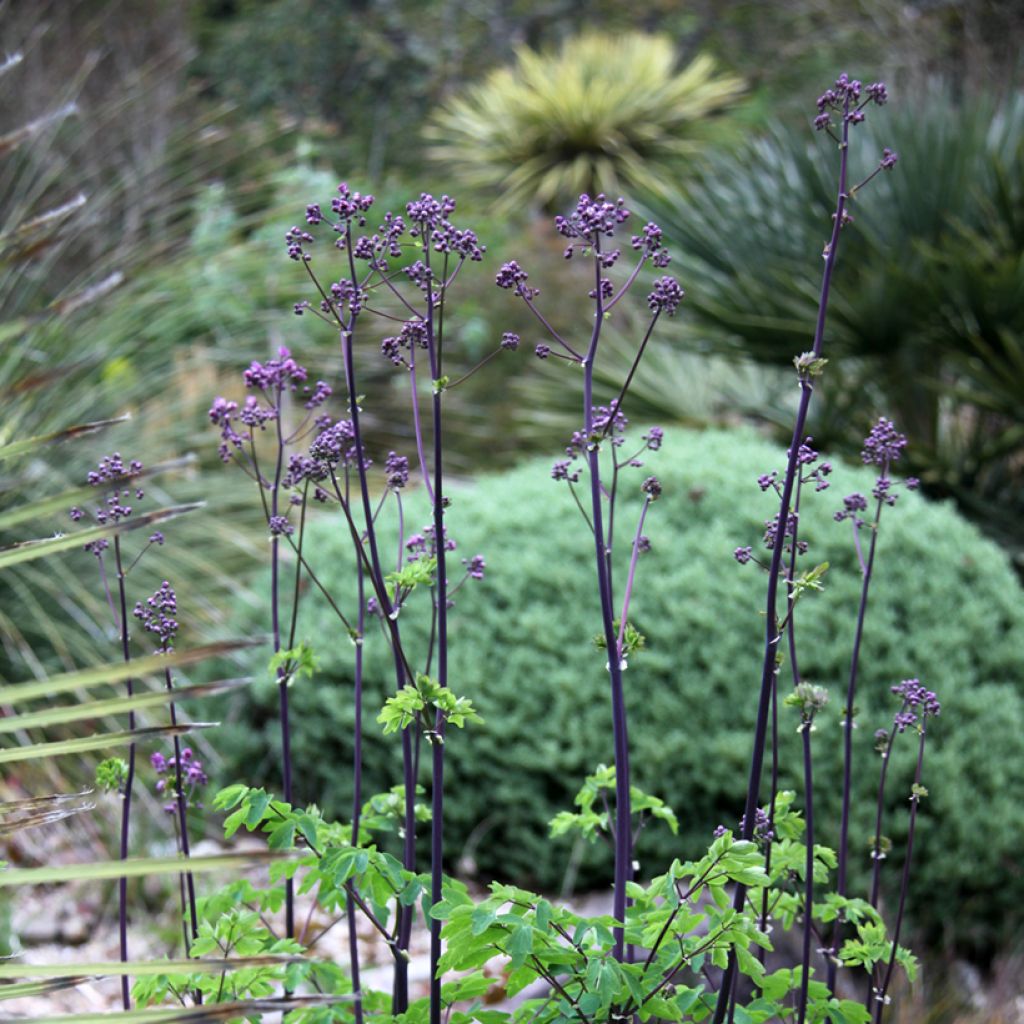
(882, 447)
(158, 616)
(919, 704)
(586, 229)
(268, 385)
(126, 807)
(118, 480)
(845, 101)
(443, 250)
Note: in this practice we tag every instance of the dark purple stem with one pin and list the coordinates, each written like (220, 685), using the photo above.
(876, 868)
(282, 684)
(848, 726)
(357, 790)
(400, 995)
(632, 575)
(434, 349)
(183, 822)
(771, 617)
(126, 806)
(904, 882)
(623, 846)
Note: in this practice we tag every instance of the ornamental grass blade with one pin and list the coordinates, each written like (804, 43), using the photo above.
(114, 705)
(116, 672)
(11, 970)
(138, 867)
(29, 549)
(16, 815)
(196, 1014)
(34, 803)
(9, 451)
(8, 828)
(101, 741)
(24, 989)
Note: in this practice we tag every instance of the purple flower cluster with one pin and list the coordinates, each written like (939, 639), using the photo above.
(652, 488)
(649, 243)
(511, 275)
(348, 206)
(848, 98)
(763, 832)
(429, 217)
(280, 527)
(475, 567)
(806, 457)
(192, 777)
(853, 505)
(421, 545)
(771, 527)
(592, 218)
(919, 703)
(333, 446)
(412, 335)
(396, 469)
(116, 476)
(883, 446)
(665, 296)
(158, 615)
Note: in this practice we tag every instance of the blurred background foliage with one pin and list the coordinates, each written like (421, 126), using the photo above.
(153, 152)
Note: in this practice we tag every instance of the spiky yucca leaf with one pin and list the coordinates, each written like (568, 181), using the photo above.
(606, 113)
(926, 316)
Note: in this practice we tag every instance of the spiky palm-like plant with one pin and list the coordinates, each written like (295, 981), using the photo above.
(928, 317)
(606, 113)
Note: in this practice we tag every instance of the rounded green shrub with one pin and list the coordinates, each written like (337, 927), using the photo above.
(944, 607)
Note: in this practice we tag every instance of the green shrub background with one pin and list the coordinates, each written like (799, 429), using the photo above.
(945, 607)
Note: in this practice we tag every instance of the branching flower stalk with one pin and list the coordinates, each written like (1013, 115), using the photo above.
(591, 222)
(882, 447)
(126, 806)
(918, 704)
(422, 328)
(808, 699)
(846, 100)
(268, 384)
(116, 477)
(158, 616)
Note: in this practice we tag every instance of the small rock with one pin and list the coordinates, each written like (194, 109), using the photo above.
(75, 930)
(39, 930)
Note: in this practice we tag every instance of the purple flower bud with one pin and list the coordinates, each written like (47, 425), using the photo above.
(665, 296)
(510, 341)
(652, 488)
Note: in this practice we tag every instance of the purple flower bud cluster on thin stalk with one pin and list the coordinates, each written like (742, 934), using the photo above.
(917, 705)
(270, 385)
(840, 109)
(883, 446)
(378, 279)
(158, 616)
(808, 699)
(119, 481)
(589, 231)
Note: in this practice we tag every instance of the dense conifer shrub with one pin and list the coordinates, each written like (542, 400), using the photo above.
(944, 607)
